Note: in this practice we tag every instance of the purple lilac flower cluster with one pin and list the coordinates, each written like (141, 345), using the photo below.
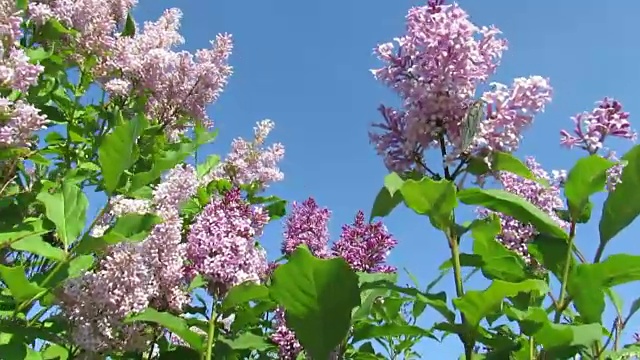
(437, 66)
(222, 242)
(364, 246)
(18, 119)
(515, 235)
(251, 162)
(591, 129)
(132, 276)
(179, 85)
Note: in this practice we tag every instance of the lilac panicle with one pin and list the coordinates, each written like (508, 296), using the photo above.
(97, 303)
(437, 66)
(251, 162)
(591, 130)
(515, 235)
(362, 245)
(222, 246)
(365, 246)
(16, 72)
(307, 224)
(179, 85)
(288, 345)
(132, 277)
(607, 119)
(18, 122)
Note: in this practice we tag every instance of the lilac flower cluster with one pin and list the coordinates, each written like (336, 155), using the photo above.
(18, 121)
(288, 345)
(364, 246)
(222, 246)
(16, 72)
(307, 224)
(439, 63)
(133, 276)
(591, 130)
(515, 235)
(250, 162)
(179, 85)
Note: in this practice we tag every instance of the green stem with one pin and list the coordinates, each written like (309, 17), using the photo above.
(532, 348)
(457, 273)
(565, 275)
(210, 334)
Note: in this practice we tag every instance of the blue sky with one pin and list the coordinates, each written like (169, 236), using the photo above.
(305, 65)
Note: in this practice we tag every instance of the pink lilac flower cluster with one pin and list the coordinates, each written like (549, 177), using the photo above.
(515, 235)
(97, 21)
(179, 85)
(222, 243)
(438, 65)
(16, 72)
(364, 246)
(18, 121)
(251, 162)
(591, 129)
(133, 276)
(307, 224)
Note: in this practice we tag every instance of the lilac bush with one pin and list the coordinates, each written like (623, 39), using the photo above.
(174, 262)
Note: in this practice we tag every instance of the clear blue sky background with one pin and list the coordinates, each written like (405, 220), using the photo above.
(306, 66)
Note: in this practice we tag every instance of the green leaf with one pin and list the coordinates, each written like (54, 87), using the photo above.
(208, 165)
(276, 209)
(180, 353)
(498, 262)
(514, 206)
(318, 296)
(16, 349)
(129, 27)
(437, 199)
(501, 161)
(118, 152)
(244, 293)
(67, 209)
(173, 323)
(635, 306)
(555, 338)
(248, 341)
(623, 204)
(476, 305)
(560, 341)
(22, 4)
(55, 352)
(618, 269)
(587, 283)
(131, 228)
(587, 292)
(54, 30)
(587, 177)
(72, 269)
(163, 162)
(388, 197)
(27, 229)
(551, 253)
(18, 283)
(37, 246)
(197, 282)
(370, 331)
(38, 54)
(370, 290)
